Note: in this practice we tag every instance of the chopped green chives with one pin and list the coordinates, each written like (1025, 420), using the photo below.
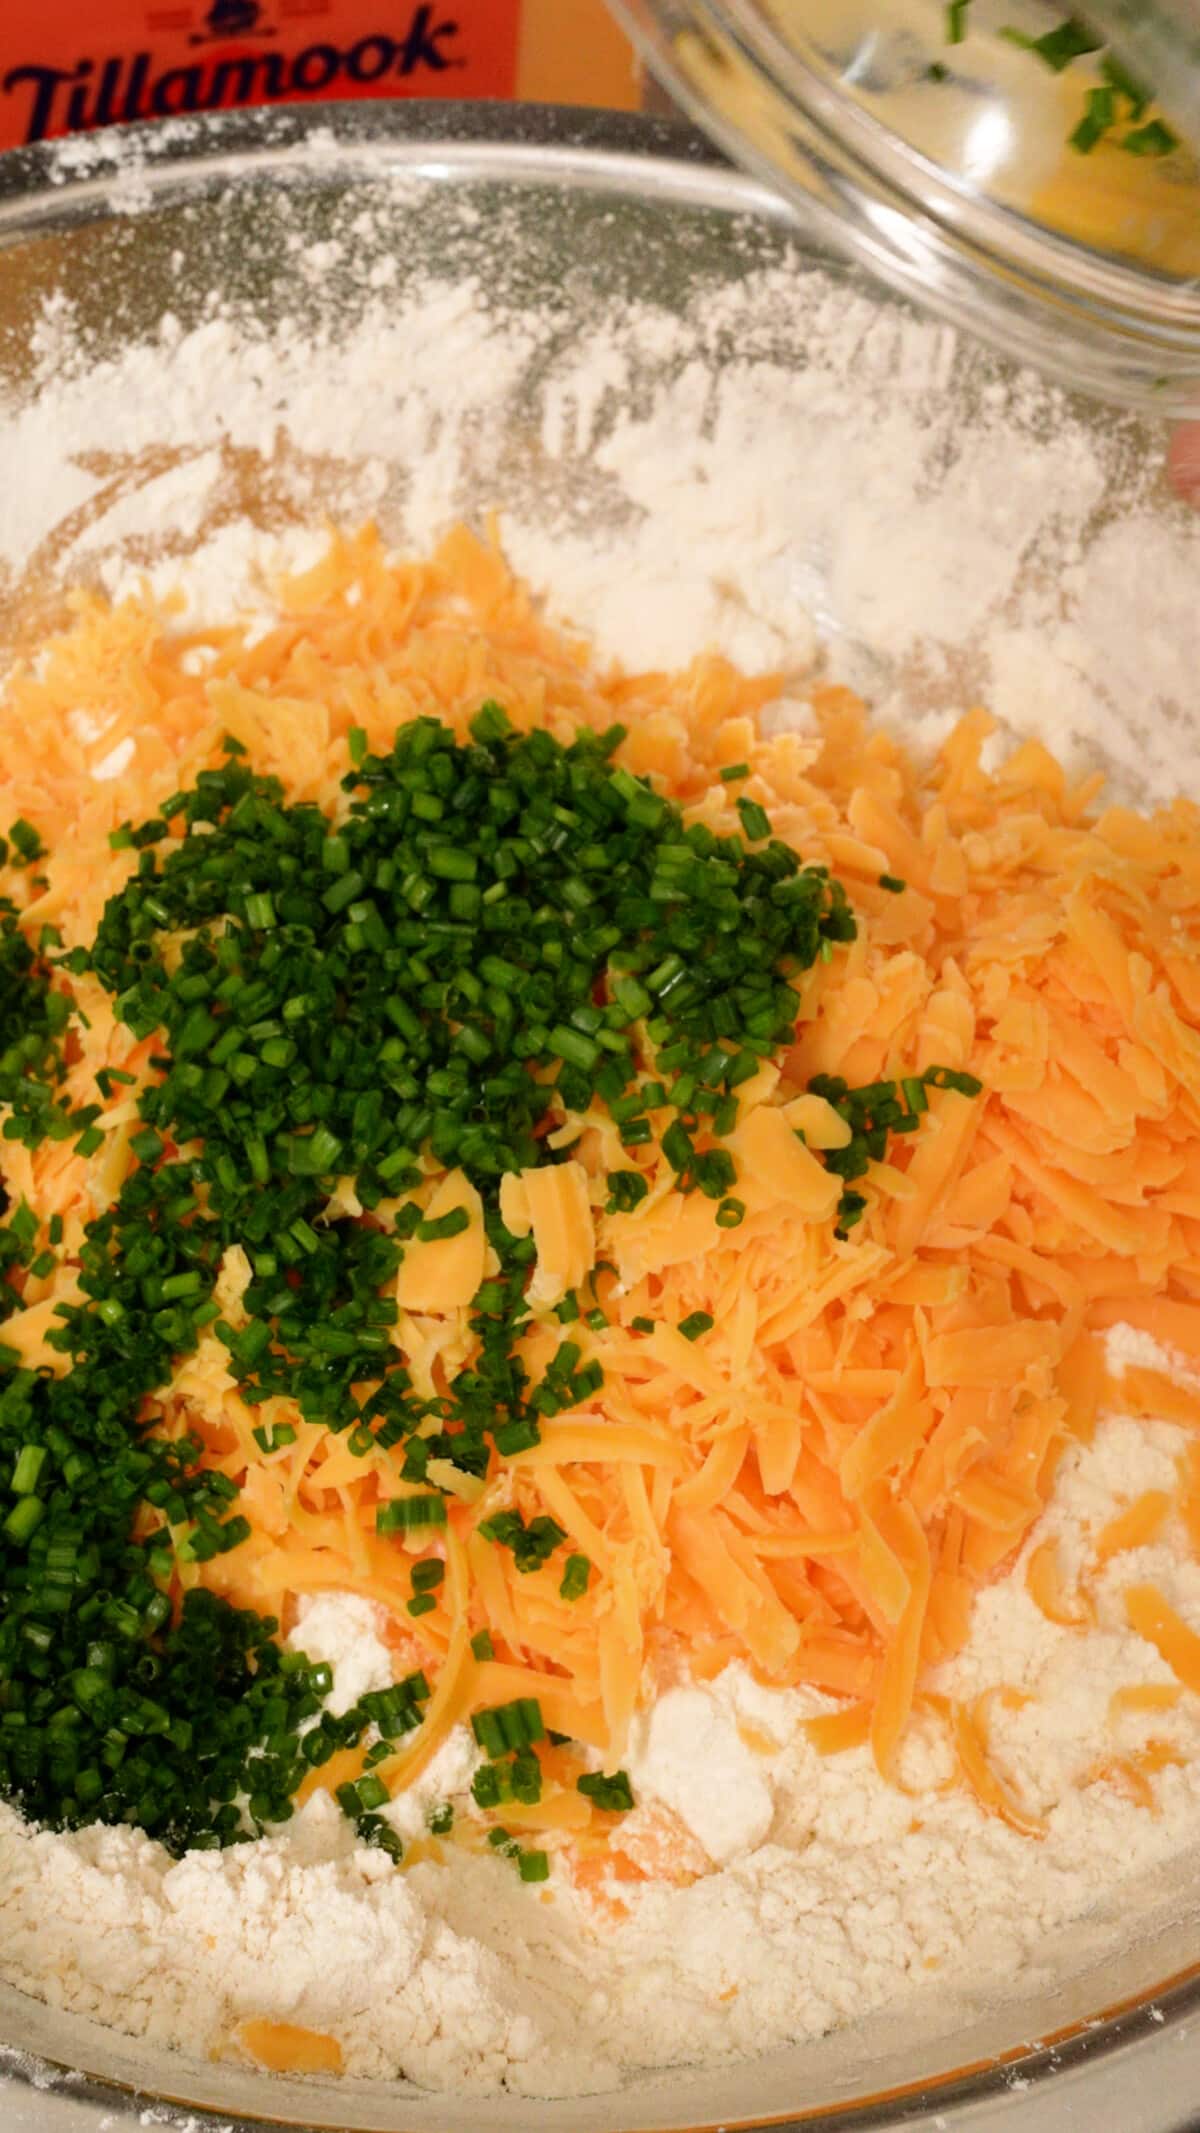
(26, 841)
(637, 1134)
(486, 1727)
(1068, 41)
(450, 863)
(520, 1435)
(695, 1324)
(678, 1147)
(730, 1213)
(531, 1545)
(422, 984)
(952, 1078)
(1099, 116)
(1136, 95)
(893, 883)
(178, 1285)
(195, 1034)
(30, 1461)
(342, 891)
(362, 1797)
(24, 1518)
(632, 998)
(755, 820)
(642, 1325)
(734, 771)
(1153, 140)
(451, 1224)
(260, 911)
(490, 723)
(317, 1155)
(405, 1513)
(714, 1173)
(743, 1067)
(626, 1190)
(613, 1794)
(274, 1440)
(575, 1577)
(509, 1725)
(533, 1866)
(851, 1208)
(573, 1046)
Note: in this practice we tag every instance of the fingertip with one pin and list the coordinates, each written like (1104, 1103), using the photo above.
(1183, 462)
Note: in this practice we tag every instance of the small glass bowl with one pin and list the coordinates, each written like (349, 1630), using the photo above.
(948, 168)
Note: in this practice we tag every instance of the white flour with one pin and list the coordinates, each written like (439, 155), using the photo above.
(820, 1894)
(778, 462)
(343, 1629)
(845, 477)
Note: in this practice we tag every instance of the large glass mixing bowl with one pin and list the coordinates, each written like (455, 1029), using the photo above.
(936, 147)
(567, 217)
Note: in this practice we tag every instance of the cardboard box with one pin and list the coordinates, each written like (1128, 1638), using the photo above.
(66, 67)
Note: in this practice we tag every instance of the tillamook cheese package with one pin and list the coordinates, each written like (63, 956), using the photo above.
(69, 65)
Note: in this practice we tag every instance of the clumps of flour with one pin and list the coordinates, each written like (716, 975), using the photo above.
(790, 1892)
(310, 1928)
(769, 463)
(342, 1630)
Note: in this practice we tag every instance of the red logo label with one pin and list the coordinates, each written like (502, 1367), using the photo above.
(64, 71)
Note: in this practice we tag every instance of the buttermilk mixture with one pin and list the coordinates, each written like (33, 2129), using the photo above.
(600, 1325)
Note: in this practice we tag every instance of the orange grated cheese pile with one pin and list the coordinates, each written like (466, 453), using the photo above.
(821, 1483)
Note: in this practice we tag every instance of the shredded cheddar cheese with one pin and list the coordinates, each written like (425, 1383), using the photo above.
(1044, 1584)
(286, 2048)
(821, 1482)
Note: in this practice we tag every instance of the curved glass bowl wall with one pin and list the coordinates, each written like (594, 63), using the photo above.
(947, 168)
